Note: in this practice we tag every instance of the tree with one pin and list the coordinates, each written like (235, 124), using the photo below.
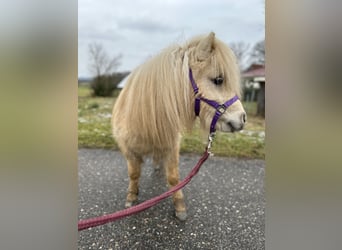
(241, 51)
(258, 53)
(102, 66)
(100, 62)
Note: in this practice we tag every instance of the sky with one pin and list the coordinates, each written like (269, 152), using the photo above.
(139, 29)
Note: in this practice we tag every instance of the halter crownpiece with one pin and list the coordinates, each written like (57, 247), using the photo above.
(220, 108)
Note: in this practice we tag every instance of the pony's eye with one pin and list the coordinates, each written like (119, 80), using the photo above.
(218, 80)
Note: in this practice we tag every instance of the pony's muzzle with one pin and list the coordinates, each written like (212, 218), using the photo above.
(238, 123)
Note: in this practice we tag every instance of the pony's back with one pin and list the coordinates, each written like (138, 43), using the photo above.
(149, 110)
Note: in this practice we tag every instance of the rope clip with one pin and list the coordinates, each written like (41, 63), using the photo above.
(210, 141)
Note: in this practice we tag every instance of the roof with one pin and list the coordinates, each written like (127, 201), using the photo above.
(122, 83)
(255, 70)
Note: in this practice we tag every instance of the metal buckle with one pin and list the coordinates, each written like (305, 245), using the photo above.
(222, 108)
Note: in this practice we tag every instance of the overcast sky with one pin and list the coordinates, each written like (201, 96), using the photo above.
(138, 29)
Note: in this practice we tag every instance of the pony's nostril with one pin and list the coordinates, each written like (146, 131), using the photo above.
(243, 117)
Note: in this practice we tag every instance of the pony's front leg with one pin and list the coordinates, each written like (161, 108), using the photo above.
(172, 173)
(134, 169)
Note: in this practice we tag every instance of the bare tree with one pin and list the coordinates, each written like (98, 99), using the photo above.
(258, 53)
(241, 50)
(100, 63)
(103, 67)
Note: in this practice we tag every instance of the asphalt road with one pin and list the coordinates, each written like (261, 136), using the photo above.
(225, 202)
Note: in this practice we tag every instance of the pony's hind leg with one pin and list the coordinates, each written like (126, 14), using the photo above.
(172, 173)
(134, 169)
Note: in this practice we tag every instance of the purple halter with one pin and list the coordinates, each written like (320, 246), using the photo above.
(220, 108)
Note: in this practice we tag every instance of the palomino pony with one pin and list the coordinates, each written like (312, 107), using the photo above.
(157, 105)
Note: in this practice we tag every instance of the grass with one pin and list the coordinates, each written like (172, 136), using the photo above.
(84, 91)
(94, 130)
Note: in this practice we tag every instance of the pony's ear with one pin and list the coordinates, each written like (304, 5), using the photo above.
(205, 47)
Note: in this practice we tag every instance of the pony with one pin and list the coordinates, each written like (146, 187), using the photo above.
(156, 107)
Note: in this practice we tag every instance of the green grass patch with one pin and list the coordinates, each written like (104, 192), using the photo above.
(84, 91)
(94, 130)
(251, 108)
(226, 144)
(94, 127)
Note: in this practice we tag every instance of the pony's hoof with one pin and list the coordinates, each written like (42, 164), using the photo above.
(131, 198)
(181, 215)
(128, 204)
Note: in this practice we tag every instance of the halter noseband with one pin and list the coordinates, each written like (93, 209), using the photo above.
(220, 108)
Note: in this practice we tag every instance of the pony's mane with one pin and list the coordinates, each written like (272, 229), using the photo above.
(158, 101)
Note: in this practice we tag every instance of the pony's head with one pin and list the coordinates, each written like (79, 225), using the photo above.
(215, 71)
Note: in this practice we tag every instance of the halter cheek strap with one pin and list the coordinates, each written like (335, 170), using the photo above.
(197, 98)
(220, 108)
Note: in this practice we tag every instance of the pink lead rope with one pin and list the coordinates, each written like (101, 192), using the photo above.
(220, 109)
(97, 221)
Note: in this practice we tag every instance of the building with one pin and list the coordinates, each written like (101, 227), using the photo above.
(253, 82)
